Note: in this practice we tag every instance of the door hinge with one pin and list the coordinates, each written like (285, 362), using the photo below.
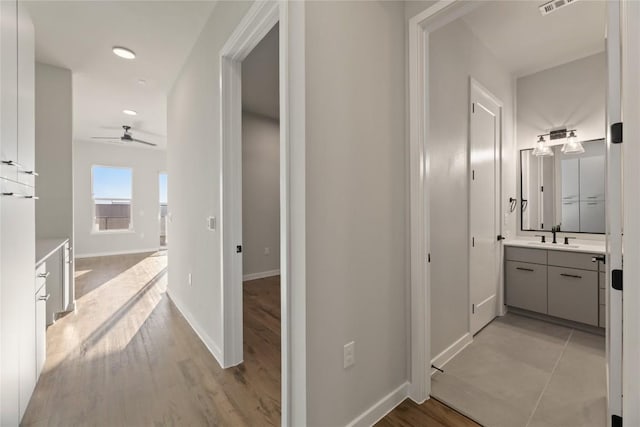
(428, 257)
(616, 279)
(473, 309)
(239, 249)
(542, 188)
(616, 421)
(473, 175)
(616, 133)
(473, 242)
(473, 107)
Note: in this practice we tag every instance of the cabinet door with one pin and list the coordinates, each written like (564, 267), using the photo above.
(54, 285)
(570, 216)
(592, 216)
(8, 89)
(570, 179)
(41, 329)
(26, 97)
(592, 178)
(573, 295)
(526, 286)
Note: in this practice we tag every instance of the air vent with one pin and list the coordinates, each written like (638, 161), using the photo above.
(554, 5)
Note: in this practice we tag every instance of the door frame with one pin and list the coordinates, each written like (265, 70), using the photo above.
(498, 201)
(257, 22)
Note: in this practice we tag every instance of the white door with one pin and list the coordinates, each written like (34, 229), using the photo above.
(614, 214)
(484, 206)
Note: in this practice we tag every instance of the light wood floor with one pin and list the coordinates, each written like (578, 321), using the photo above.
(128, 358)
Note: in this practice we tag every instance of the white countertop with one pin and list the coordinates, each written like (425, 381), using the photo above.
(46, 247)
(589, 246)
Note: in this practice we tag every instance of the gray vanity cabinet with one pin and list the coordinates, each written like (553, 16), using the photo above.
(573, 294)
(561, 284)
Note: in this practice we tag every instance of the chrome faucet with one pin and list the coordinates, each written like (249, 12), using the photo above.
(554, 230)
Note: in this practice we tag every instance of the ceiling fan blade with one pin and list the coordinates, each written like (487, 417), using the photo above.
(143, 142)
(106, 137)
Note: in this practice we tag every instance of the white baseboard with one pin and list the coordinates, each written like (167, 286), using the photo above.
(381, 408)
(450, 352)
(262, 275)
(111, 253)
(204, 337)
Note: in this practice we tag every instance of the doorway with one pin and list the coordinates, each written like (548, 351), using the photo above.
(436, 183)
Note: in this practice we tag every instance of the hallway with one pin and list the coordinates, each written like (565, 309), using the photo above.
(128, 357)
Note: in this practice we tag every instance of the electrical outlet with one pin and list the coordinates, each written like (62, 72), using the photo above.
(349, 354)
(267, 251)
(189, 279)
(211, 223)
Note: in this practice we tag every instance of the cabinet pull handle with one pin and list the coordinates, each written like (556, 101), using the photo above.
(575, 276)
(592, 197)
(524, 269)
(44, 275)
(44, 298)
(11, 163)
(33, 173)
(32, 197)
(592, 203)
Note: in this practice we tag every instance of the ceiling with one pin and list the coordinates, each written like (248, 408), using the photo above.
(79, 35)
(527, 42)
(260, 77)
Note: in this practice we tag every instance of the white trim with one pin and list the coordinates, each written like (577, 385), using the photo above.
(381, 408)
(452, 351)
(261, 275)
(630, 13)
(260, 18)
(200, 331)
(112, 253)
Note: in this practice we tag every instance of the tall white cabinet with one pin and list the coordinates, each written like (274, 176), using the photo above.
(17, 213)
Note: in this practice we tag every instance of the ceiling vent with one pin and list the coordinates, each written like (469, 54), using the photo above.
(554, 5)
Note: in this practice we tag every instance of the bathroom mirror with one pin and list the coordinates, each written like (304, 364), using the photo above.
(564, 189)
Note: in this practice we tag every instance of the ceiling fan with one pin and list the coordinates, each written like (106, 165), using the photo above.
(126, 137)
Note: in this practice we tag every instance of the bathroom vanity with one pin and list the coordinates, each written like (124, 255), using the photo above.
(563, 281)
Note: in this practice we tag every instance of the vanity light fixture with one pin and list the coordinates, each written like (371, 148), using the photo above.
(130, 112)
(123, 52)
(542, 150)
(572, 146)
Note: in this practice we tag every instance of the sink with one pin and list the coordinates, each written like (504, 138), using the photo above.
(552, 246)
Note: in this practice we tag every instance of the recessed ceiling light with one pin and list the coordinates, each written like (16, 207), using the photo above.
(130, 112)
(142, 82)
(123, 52)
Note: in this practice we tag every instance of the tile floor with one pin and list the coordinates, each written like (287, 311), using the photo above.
(525, 372)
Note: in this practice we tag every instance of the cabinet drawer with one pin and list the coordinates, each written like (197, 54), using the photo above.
(573, 295)
(535, 256)
(572, 260)
(526, 286)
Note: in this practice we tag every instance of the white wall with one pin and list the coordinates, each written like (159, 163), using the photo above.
(54, 152)
(570, 95)
(193, 155)
(260, 195)
(357, 278)
(146, 164)
(455, 55)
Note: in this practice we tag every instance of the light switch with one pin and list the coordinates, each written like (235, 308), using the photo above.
(349, 354)
(211, 223)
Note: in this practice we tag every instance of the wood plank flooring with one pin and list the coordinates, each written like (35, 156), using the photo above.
(431, 413)
(128, 358)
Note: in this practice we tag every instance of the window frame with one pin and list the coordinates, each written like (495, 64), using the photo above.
(94, 228)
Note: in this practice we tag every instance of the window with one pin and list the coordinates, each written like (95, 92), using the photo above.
(111, 198)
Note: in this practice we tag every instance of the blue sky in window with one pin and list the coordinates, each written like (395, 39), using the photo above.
(163, 188)
(111, 183)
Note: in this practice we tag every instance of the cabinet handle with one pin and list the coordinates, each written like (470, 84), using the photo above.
(44, 298)
(33, 173)
(11, 163)
(575, 276)
(32, 197)
(524, 269)
(44, 275)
